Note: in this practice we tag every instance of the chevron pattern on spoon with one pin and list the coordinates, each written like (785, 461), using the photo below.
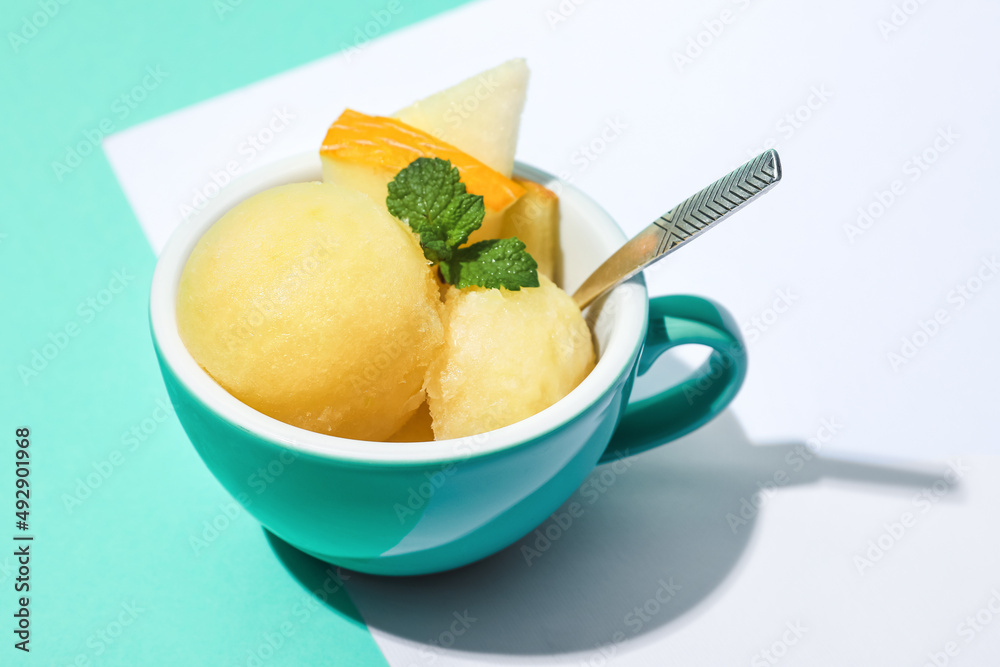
(695, 215)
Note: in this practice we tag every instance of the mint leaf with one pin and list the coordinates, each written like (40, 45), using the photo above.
(430, 197)
(494, 263)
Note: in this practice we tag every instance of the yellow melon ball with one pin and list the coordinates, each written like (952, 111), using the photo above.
(507, 355)
(310, 303)
(534, 219)
(417, 429)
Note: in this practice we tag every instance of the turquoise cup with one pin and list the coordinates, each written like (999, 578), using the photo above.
(415, 508)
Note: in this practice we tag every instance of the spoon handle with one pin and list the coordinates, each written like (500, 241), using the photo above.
(695, 215)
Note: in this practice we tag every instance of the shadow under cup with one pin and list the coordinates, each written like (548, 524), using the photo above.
(415, 508)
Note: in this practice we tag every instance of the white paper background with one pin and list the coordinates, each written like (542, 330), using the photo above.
(878, 101)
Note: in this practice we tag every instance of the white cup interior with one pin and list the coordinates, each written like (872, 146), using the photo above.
(588, 237)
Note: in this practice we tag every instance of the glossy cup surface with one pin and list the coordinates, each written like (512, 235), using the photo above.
(406, 508)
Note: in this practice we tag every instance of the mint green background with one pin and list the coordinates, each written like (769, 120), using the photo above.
(129, 541)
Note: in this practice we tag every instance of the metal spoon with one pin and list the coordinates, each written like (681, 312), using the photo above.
(692, 217)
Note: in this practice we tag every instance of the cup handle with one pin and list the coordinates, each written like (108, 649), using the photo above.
(678, 410)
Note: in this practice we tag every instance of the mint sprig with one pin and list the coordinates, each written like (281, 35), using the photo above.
(430, 197)
(494, 263)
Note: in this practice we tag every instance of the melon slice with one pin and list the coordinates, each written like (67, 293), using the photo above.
(481, 115)
(534, 219)
(364, 151)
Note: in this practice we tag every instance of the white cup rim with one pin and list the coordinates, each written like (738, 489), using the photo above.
(624, 340)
